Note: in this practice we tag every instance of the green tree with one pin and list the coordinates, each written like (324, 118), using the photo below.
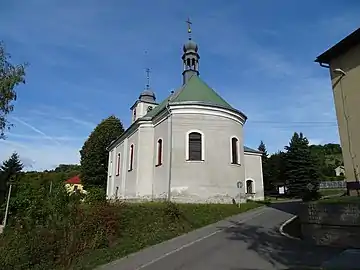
(10, 168)
(275, 170)
(262, 148)
(266, 169)
(10, 76)
(302, 173)
(94, 156)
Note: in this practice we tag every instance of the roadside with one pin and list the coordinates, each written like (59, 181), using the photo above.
(247, 241)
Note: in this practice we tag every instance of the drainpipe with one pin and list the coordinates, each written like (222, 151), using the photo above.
(170, 149)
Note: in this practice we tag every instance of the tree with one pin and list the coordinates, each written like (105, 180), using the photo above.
(94, 156)
(301, 168)
(262, 148)
(9, 169)
(10, 76)
(266, 170)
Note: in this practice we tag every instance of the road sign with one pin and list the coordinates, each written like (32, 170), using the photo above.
(239, 184)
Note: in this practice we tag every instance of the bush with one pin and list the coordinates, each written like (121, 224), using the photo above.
(62, 233)
(95, 195)
(311, 196)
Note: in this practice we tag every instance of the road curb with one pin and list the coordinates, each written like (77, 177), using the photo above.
(282, 229)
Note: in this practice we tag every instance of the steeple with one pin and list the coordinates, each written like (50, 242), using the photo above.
(190, 57)
(146, 101)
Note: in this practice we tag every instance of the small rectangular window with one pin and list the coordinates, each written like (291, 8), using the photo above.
(159, 152)
(131, 163)
(118, 165)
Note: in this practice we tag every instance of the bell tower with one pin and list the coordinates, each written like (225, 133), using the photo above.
(190, 57)
(146, 101)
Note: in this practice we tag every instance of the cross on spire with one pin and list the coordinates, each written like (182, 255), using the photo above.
(147, 71)
(189, 23)
(147, 78)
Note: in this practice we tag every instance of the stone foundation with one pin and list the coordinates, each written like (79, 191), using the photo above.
(331, 224)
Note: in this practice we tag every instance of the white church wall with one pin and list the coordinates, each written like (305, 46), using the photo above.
(110, 176)
(131, 175)
(118, 170)
(161, 173)
(215, 178)
(145, 161)
(253, 171)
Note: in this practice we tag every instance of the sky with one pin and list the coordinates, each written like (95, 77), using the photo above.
(87, 61)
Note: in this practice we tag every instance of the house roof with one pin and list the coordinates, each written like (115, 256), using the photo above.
(74, 180)
(340, 48)
(250, 150)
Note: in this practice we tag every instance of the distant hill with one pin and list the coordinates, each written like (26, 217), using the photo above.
(330, 157)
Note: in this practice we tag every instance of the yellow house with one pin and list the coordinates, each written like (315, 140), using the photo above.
(343, 62)
(74, 185)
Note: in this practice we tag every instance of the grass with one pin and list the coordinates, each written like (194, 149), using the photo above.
(343, 199)
(332, 191)
(151, 223)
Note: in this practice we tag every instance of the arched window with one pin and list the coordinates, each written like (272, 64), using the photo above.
(131, 163)
(235, 151)
(249, 187)
(118, 165)
(159, 152)
(195, 146)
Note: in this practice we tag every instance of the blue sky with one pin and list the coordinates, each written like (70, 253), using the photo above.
(87, 62)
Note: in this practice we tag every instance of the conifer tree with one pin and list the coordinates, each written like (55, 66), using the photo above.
(302, 171)
(9, 169)
(266, 170)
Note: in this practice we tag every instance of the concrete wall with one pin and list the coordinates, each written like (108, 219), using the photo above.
(161, 173)
(213, 179)
(331, 224)
(253, 172)
(347, 98)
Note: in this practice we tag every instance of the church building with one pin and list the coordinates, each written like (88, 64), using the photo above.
(188, 148)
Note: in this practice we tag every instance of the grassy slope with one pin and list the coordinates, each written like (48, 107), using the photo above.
(148, 224)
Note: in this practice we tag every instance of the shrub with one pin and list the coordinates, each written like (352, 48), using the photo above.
(95, 195)
(311, 196)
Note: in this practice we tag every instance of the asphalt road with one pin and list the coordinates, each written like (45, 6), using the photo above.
(248, 241)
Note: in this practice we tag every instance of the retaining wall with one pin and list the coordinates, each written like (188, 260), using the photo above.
(331, 224)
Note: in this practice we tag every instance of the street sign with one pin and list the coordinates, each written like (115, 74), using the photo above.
(239, 184)
(310, 186)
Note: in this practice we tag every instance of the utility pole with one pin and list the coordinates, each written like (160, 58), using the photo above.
(7, 205)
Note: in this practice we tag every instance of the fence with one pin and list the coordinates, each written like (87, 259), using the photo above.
(332, 184)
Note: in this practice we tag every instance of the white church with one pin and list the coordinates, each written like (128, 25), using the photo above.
(188, 148)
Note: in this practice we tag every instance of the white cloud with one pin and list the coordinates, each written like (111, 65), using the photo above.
(39, 156)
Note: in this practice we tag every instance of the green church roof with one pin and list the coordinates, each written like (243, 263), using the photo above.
(195, 90)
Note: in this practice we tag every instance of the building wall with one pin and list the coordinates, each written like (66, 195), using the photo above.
(161, 173)
(145, 161)
(253, 171)
(346, 92)
(130, 178)
(215, 178)
(117, 187)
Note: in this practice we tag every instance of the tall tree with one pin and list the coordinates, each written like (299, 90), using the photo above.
(9, 169)
(94, 156)
(10, 76)
(268, 186)
(301, 168)
(262, 148)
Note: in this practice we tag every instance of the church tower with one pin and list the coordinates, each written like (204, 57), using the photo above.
(146, 101)
(190, 57)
